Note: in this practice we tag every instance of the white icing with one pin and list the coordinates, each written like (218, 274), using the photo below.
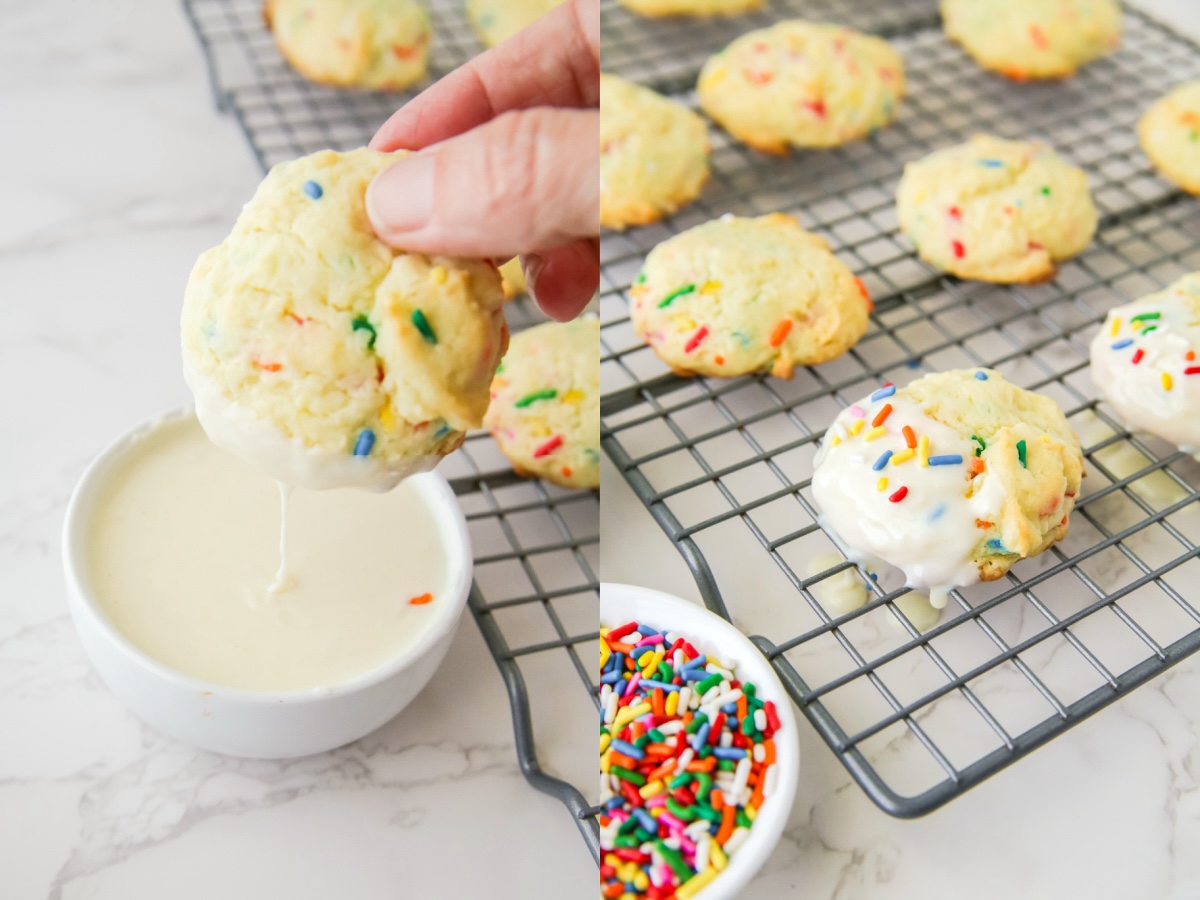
(917, 608)
(840, 593)
(931, 534)
(282, 580)
(1137, 391)
(234, 428)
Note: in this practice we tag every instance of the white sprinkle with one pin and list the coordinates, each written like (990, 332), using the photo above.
(759, 751)
(740, 774)
(736, 840)
(760, 722)
(610, 708)
(771, 781)
(702, 846)
(684, 758)
(675, 726)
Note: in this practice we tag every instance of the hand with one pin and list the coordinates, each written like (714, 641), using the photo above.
(509, 161)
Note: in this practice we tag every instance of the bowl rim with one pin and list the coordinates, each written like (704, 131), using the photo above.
(729, 640)
(452, 526)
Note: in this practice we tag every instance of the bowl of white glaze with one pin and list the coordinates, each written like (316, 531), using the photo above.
(710, 634)
(274, 723)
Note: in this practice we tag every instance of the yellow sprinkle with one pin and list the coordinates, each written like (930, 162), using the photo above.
(923, 450)
(572, 396)
(604, 631)
(641, 880)
(650, 666)
(855, 427)
(628, 871)
(710, 287)
(903, 456)
(877, 432)
(751, 812)
(628, 896)
(439, 274)
(612, 860)
(672, 702)
(695, 883)
(649, 790)
(386, 417)
(605, 653)
(605, 739)
(1167, 381)
(627, 714)
(1116, 327)
(717, 856)
(605, 762)
(881, 485)
(834, 441)
(1045, 438)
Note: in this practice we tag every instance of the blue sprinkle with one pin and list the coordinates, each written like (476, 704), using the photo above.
(313, 190)
(874, 576)
(1122, 344)
(618, 661)
(729, 708)
(617, 801)
(647, 821)
(946, 459)
(701, 736)
(366, 440)
(991, 163)
(698, 662)
(729, 753)
(883, 392)
(914, 363)
(981, 376)
(938, 512)
(883, 460)
(664, 685)
(628, 749)
(611, 677)
(646, 631)
(997, 545)
(694, 674)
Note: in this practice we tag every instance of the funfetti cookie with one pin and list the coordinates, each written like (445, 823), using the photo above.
(653, 154)
(802, 84)
(1027, 39)
(326, 357)
(545, 409)
(739, 295)
(1144, 361)
(699, 8)
(996, 210)
(1170, 134)
(496, 21)
(952, 479)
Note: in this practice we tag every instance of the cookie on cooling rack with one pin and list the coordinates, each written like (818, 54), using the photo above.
(1028, 39)
(699, 8)
(653, 154)
(952, 479)
(1170, 135)
(802, 84)
(513, 278)
(496, 21)
(996, 210)
(545, 409)
(324, 356)
(1144, 361)
(734, 296)
(380, 44)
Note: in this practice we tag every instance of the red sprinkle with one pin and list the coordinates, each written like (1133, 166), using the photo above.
(862, 289)
(549, 447)
(910, 437)
(955, 212)
(959, 250)
(1038, 36)
(899, 495)
(758, 77)
(780, 333)
(403, 52)
(421, 601)
(882, 415)
(816, 106)
(1137, 356)
(1192, 370)
(695, 339)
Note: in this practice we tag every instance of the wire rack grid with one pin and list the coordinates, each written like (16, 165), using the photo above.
(918, 717)
(536, 546)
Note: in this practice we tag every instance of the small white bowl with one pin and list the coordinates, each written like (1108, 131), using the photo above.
(709, 633)
(269, 725)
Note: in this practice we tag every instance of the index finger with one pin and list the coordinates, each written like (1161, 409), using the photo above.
(553, 62)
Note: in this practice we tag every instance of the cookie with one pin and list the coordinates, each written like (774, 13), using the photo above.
(496, 21)
(1170, 135)
(735, 295)
(1027, 39)
(545, 409)
(513, 278)
(323, 355)
(952, 479)
(379, 44)
(802, 84)
(653, 154)
(699, 8)
(1144, 361)
(996, 210)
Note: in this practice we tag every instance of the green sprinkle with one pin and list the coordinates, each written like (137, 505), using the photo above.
(1021, 453)
(748, 726)
(657, 736)
(627, 840)
(703, 786)
(680, 780)
(693, 726)
(672, 858)
(422, 325)
(982, 446)
(665, 672)
(678, 292)
(529, 399)
(1046, 191)
(1150, 329)
(642, 741)
(625, 775)
(707, 812)
(708, 684)
(743, 819)
(362, 323)
(1144, 316)
(726, 765)
(629, 826)
(500, 368)
(680, 812)
(641, 279)
(705, 750)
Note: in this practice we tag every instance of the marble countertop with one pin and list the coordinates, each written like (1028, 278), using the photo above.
(117, 172)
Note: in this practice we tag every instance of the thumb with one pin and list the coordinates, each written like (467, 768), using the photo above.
(523, 182)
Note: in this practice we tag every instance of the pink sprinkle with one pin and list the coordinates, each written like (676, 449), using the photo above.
(656, 801)
(693, 342)
(857, 411)
(687, 844)
(670, 821)
(647, 641)
(632, 686)
(549, 447)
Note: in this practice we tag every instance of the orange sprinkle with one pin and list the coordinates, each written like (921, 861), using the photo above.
(702, 765)
(427, 598)
(619, 647)
(768, 752)
(755, 77)
(716, 799)
(780, 332)
(881, 417)
(910, 437)
(727, 822)
(656, 702)
(983, 523)
(977, 465)
(662, 771)
(741, 708)
(1038, 36)
(719, 360)
(267, 367)
(756, 796)
(862, 288)
(620, 759)
(566, 470)
(1190, 356)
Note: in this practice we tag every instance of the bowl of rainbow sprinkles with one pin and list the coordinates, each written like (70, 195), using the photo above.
(698, 753)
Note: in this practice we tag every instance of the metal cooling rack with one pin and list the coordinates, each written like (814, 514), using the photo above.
(724, 465)
(536, 546)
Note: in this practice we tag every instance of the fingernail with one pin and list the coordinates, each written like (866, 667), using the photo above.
(400, 198)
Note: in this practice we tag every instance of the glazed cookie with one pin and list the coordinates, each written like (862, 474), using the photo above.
(802, 84)
(545, 409)
(496, 21)
(952, 479)
(1026, 39)
(324, 356)
(996, 210)
(513, 278)
(653, 154)
(1144, 363)
(1170, 135)
(734, 295)
(701, 8)
(353, 43)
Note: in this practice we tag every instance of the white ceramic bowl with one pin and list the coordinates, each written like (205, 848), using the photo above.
(709, 633)
(251, 723)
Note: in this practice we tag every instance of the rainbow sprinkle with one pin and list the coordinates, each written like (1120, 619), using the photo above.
(1021, 451)
(882, 461)
(981, 376)
(362, 323)
(535, 396)
(313, 190)
(548, 447)
(366, 440)
(422, 325)
(678, 292)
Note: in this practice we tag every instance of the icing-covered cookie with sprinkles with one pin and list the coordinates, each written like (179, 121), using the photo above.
(326, 357)
(740, 295)
(699, 8)
(952, 479)
(1030, 39)
(1170, 135)
(545, 409)
(996, 210)
(802, 84)
(496, 21)
(1144, 361)
(653, 154)
(380, 44)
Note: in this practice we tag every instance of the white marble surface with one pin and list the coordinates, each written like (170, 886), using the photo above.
(116, 173)
(1110, 810)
